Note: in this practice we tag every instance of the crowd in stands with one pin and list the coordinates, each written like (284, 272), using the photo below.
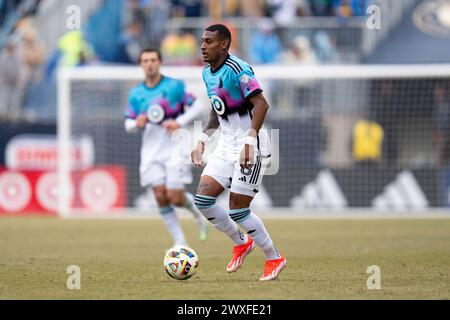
(281, 10)
(144, 23)
(25, 64)
(16, 9)
(21, 61)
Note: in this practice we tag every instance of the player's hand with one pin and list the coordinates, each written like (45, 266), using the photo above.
(141, 121)
(171, 125)
(247, 157)
(197, 155)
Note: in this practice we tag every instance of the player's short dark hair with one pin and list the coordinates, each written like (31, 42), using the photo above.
(222, 30)
(150, 49)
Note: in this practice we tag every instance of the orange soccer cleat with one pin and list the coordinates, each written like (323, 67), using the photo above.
(272, 269)
(239, 254)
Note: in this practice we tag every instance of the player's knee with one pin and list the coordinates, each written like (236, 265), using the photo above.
(209, 185)
(238, 201)
(176, 198)
(204, 202)
(161, 198)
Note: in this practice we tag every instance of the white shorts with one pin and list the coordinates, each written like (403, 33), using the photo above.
(230, 174)
(173, 175)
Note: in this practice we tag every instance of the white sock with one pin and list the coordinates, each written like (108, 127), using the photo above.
(173, 225)
(219, 218)
(255, 228)
(189, 204)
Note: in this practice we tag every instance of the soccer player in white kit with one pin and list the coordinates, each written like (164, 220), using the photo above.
(157, 108)
(238, 161)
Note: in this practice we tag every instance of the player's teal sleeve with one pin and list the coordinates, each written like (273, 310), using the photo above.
(248, 83)
(132, 109)
(189, 99)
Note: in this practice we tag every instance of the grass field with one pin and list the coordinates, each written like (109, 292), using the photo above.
(122, 259)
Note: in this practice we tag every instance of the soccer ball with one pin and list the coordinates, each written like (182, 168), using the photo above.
(181, 262)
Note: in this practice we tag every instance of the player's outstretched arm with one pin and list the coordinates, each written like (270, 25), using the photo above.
(260, 107)
(208, 131)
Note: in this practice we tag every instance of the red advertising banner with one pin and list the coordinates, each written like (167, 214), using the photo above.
(40, 152)
(97, 189)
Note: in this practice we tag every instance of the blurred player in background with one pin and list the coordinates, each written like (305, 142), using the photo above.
(156, 106)
(238, 162)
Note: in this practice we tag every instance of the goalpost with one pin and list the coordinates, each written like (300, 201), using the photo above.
(314, 114)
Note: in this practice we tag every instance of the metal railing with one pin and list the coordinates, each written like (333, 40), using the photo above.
(353, 39)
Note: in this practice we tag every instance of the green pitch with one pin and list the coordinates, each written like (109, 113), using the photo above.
(122, 259)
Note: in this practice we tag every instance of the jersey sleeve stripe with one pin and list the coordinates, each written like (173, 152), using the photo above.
(232, 67)
(235, 64)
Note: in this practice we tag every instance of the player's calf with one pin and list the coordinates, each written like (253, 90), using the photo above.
(219, 218)
(202, 223)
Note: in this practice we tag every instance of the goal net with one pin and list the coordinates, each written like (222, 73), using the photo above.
(343, 137)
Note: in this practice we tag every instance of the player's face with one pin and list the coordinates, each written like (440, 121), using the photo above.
(213, 47)
(150, 63)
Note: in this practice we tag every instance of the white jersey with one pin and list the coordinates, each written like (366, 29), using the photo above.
(159, 149)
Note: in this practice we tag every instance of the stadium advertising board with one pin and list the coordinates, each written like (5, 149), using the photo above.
(29, 181)
(98, 189)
